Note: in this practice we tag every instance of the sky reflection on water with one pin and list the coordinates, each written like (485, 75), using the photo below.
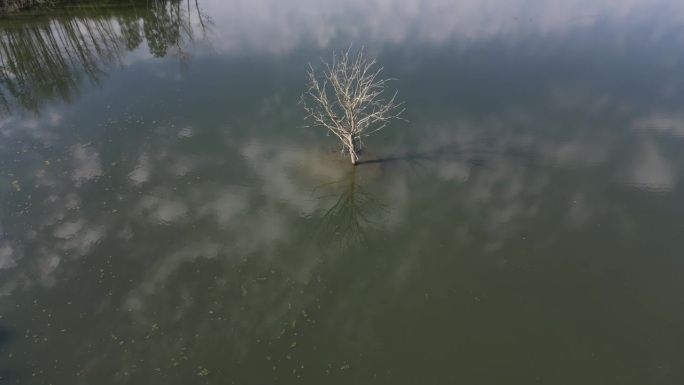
(163, 225)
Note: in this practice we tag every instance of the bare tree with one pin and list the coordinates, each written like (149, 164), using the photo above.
(348, 100)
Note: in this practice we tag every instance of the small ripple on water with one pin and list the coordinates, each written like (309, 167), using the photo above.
(652, 188)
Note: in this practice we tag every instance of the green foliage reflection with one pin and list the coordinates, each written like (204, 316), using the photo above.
(50, 58)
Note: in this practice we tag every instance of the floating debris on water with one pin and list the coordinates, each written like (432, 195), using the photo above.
(202, 371)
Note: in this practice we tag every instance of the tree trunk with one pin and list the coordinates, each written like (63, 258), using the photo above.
(352, 149)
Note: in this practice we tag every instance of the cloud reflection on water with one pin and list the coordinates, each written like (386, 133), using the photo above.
(250, 222)
(277, 27)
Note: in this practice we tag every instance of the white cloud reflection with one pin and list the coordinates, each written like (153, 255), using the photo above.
(142, 171)
(279, 27)
(163, 210)
(652, 171)
(87, 164)
(257, 205)
(9, 255)
(227, 206)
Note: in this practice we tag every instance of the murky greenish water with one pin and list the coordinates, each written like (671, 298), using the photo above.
(166, 218)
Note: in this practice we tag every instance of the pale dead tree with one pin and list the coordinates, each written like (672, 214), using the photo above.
(347, 100)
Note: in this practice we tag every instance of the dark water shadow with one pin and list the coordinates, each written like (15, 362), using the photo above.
(478, 154)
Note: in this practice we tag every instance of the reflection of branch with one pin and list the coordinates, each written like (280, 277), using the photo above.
(171, 26)
(351, 214)
(44, 61)
(206, 22)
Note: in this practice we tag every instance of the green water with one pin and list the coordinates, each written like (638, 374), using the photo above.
(166, 217)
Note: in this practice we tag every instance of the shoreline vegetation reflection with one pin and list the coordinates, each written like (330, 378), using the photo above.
(10, 8)
(52, 59)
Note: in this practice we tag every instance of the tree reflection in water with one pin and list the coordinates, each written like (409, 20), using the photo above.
(52, 58)
(353, 212)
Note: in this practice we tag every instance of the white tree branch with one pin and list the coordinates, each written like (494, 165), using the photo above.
(348, 101)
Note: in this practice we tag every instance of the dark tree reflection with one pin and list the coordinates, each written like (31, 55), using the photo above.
(353, 211)
(51, 58)
(131, 30)
(162, 28)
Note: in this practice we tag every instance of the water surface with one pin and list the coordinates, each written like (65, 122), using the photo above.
(168, 218)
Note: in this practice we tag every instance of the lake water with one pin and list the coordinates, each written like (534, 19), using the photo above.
(167, 217)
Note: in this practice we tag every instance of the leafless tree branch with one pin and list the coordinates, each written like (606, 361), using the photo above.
(347, 100)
